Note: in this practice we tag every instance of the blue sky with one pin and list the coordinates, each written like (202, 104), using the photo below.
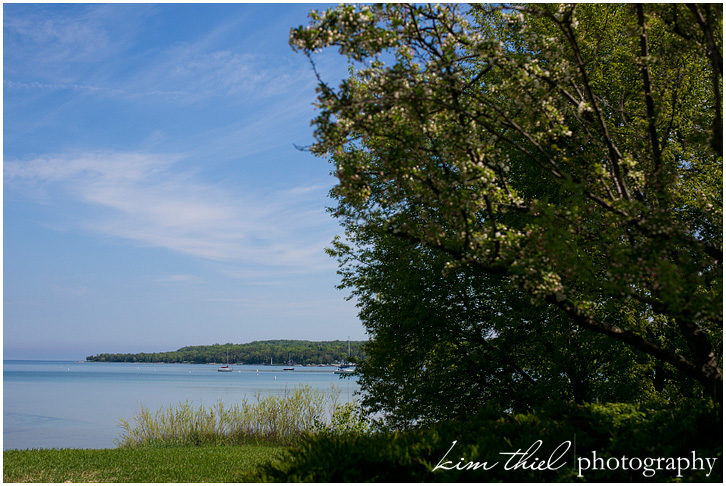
(153, 196)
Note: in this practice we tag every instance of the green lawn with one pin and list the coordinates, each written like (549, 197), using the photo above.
(137, 465)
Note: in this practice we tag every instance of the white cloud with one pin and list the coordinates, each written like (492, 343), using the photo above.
(145, 198)
(177, 278)
(64, 43)
(79, 291)
(191, 72)
(100, 49)
(114, 167)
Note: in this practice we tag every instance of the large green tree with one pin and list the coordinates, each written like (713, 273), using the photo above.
(572, 153)
(448, 342)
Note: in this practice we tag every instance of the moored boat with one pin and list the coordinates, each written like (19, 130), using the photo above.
(347, 367)
(226, 367)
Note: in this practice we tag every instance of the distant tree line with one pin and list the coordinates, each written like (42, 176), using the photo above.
(256, 352)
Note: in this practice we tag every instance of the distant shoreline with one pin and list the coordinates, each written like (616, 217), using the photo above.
(261, 353)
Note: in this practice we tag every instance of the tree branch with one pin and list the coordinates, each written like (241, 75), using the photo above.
(706, 374)
(649, 104)
(615, 155)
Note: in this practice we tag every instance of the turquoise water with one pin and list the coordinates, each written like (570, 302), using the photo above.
(67, 404)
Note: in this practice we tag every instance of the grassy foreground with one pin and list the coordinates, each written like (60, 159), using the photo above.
(186, 464)
(184, 443)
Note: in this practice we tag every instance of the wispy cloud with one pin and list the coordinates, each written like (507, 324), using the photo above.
(97, 49)
(177, 278)
(64, 43)
(146, 198)
(79, 291)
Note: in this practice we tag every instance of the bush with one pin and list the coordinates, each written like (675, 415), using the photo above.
(347, 419)
(612, 431)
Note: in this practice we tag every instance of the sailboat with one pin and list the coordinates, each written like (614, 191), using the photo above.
(346, 368)
(227, 367)
(289, 364)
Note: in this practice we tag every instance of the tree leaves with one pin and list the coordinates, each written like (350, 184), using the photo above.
(567, 148)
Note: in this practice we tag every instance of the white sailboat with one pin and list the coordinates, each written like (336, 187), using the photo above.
(227, 367)
(289, 364)
(345, 368)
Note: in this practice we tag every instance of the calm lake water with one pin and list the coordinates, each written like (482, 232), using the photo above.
(68, 404)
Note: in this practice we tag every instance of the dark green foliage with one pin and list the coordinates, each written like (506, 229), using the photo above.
(567, 159)
(256, 352)
(612, 430)
(444, 341)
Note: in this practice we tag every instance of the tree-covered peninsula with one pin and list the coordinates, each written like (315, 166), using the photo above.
(257, 352)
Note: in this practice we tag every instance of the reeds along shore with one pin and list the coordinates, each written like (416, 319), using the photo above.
(272, 419)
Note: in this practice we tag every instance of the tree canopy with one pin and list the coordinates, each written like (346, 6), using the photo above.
(256, 352)
(564, 162)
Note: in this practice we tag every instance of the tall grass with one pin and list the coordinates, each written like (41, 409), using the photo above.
(270, 419)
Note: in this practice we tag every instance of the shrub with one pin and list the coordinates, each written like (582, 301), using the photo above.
(611, 430)
(347, 419)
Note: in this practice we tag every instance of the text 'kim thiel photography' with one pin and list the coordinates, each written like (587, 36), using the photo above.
(560, 457)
